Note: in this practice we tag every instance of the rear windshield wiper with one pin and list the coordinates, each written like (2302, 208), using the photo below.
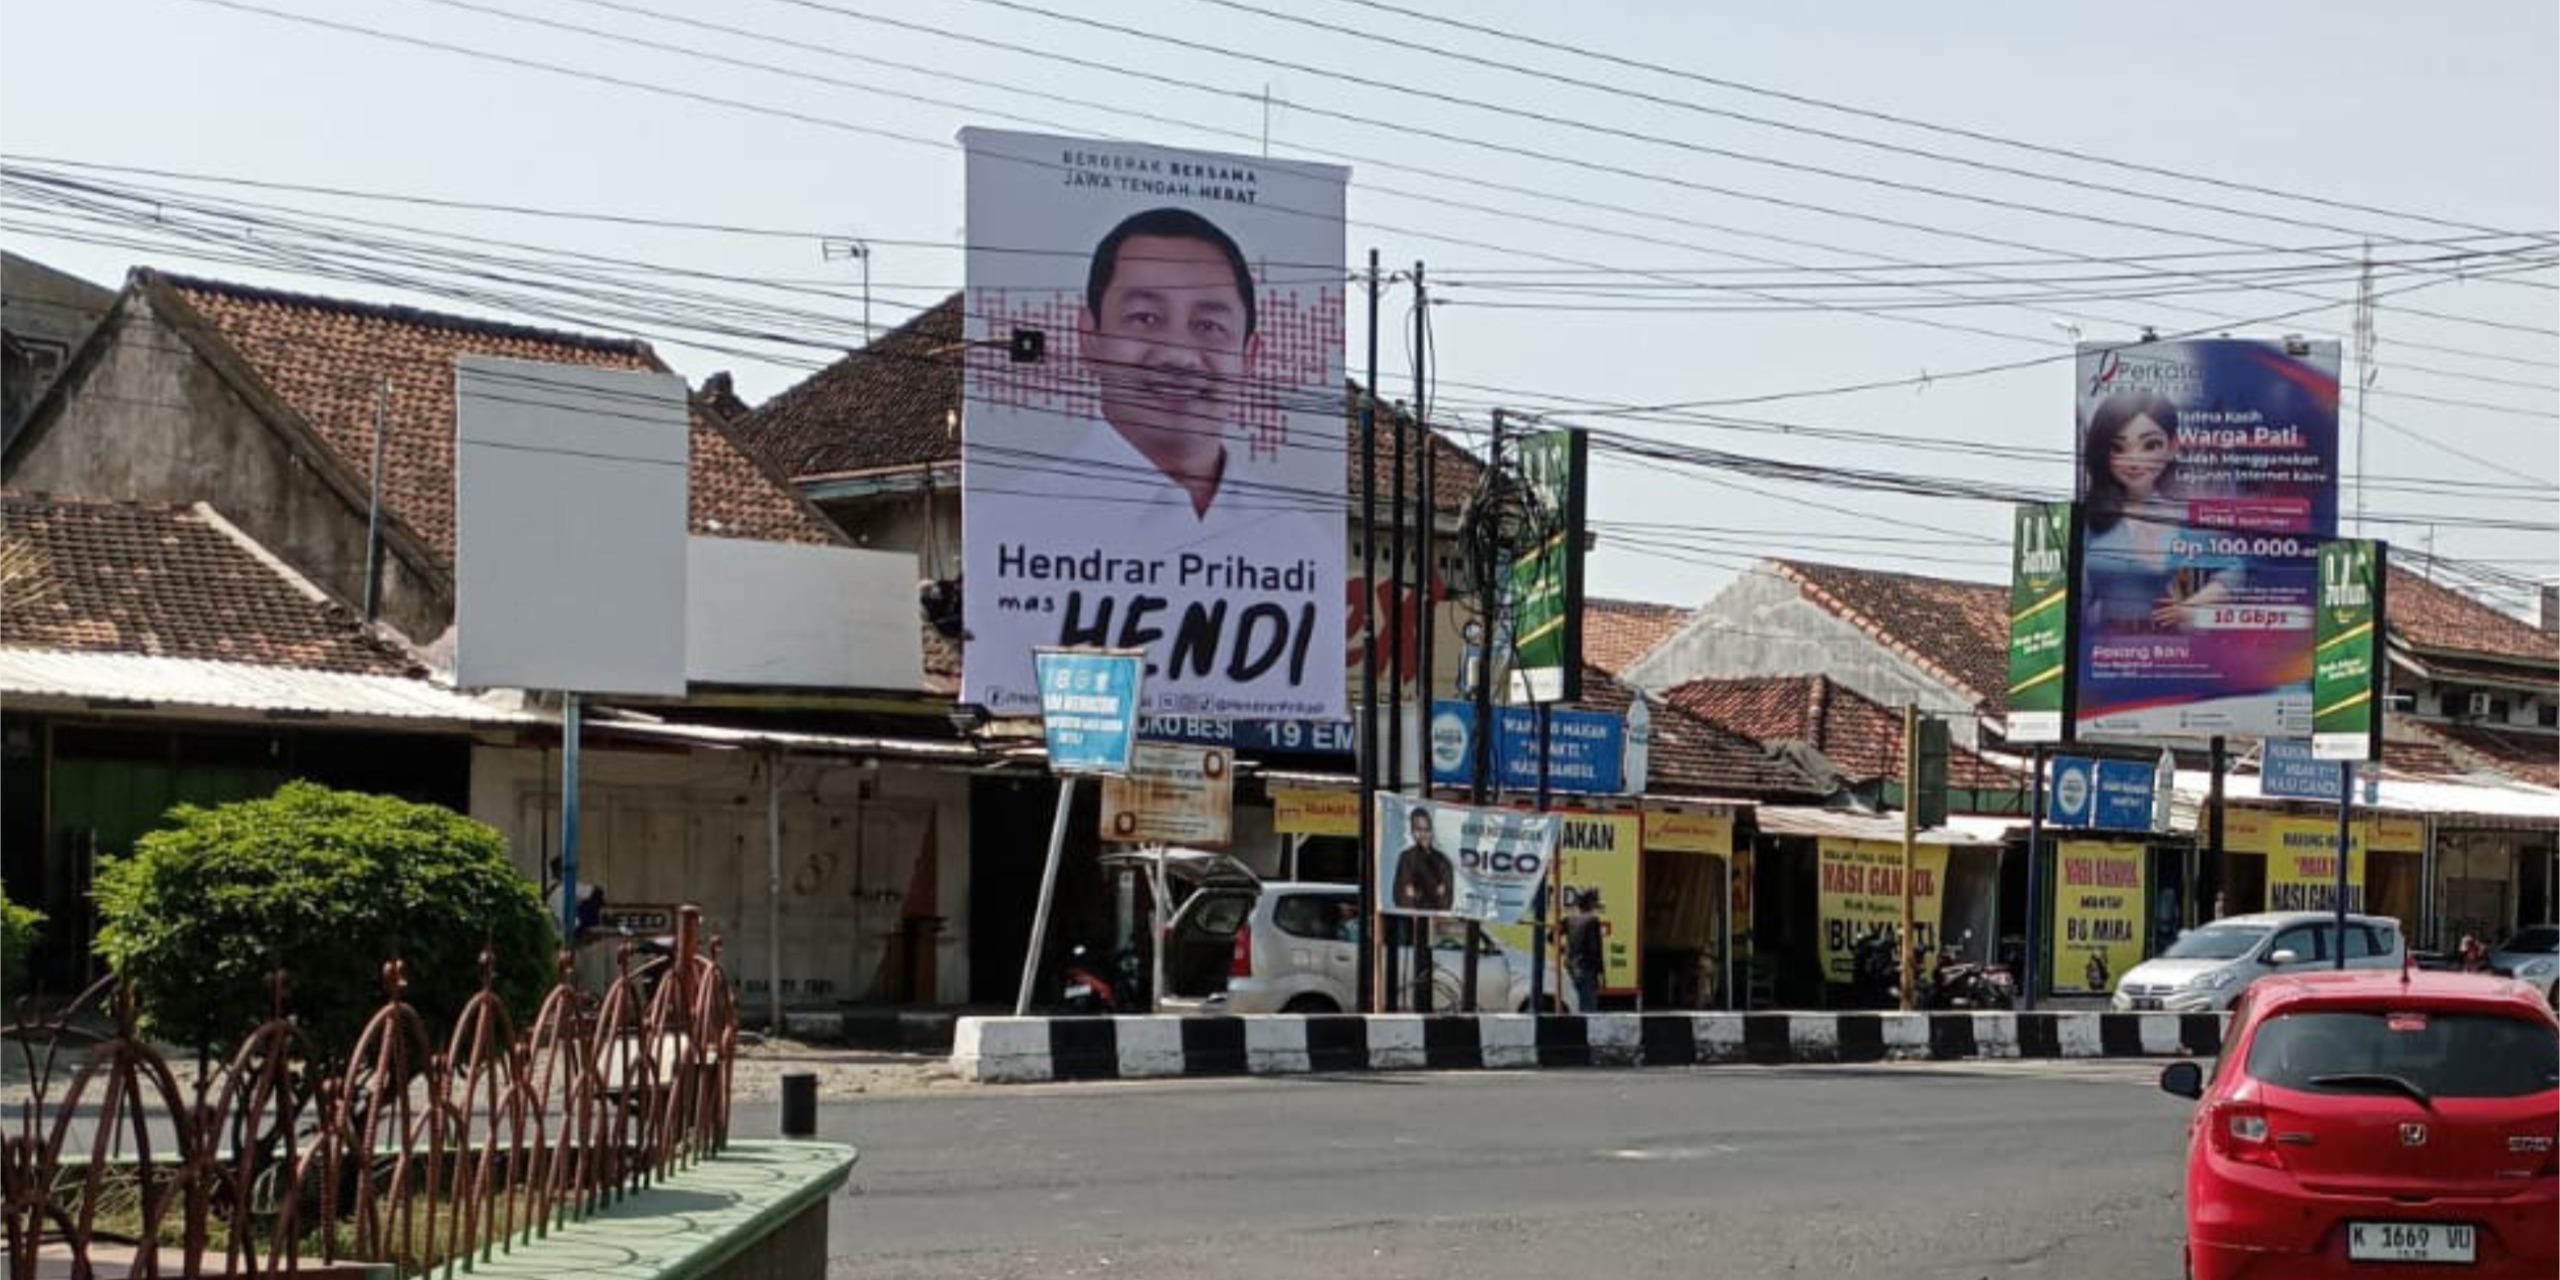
(2402, 1083)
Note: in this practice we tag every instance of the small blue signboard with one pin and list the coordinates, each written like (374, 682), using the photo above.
(1257, 737)
(1586, 750)
(2286, 769)
(2109, 795)
(1089, 708)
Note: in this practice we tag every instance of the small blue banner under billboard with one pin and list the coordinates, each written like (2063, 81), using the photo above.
(2286, 769)
(1257, 737)
(1089, 708)
(2108, 795)
(1586, 750)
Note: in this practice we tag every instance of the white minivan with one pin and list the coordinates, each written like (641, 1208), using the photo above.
(2208, 967)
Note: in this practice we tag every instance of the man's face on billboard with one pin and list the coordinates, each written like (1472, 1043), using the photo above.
(1169, 347)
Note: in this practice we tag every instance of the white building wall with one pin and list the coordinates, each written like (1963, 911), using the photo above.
(1763, 625)
(858, 839)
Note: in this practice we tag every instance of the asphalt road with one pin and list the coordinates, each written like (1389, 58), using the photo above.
(1907, 1171)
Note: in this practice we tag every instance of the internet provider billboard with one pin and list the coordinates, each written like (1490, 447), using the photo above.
(2208, 477)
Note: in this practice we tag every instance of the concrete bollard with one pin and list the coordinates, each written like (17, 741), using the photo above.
(800, 1105)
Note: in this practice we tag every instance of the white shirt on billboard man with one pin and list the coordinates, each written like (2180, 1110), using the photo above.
(1170, 336)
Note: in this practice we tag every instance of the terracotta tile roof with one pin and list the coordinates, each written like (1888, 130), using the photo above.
(893, 405)
(2425, 756)
(2527, 755)
(1861, 736)
(327, 360)
(168, 580)
(2430, 615)
(1958, 630)
(1617, 632)
(1689, 756)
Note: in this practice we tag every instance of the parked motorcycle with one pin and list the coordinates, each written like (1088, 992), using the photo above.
(1084, 990)
(1875, 971)
(1955, 982)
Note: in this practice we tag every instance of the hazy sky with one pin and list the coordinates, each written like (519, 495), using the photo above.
(2447, 111)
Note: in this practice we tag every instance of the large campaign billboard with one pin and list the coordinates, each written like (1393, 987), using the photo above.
(1152, 440)
(2208, 477)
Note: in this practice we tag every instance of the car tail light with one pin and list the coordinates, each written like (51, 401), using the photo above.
(2242, 1133)
(1240, 965)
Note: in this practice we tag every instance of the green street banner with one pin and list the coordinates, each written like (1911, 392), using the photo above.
(1545, 579)
(2347, 656)
(2039, 624)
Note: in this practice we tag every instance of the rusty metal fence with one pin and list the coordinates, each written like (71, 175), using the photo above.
(414, 1154)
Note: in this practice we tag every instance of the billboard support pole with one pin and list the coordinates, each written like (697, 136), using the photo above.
(569, 733)
(2213, 860)
(1538, 935)
(1489, 606)
(2035, 882)
(1396, 505)
(1910, 843)
(1048, 892)
(1368, 752)
(2346, 822)
(773, 887)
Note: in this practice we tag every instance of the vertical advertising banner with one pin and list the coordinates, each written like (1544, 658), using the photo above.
(2347, 669)
(1151, 449)
(1544, 585)
(2208, 479)
(2302, 864)
(1603, 853)
(2098, 900)
(2039, 624)
(1461, 862)
(1860, 892)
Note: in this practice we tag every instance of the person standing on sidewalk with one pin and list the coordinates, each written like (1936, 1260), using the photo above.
(1586, 951)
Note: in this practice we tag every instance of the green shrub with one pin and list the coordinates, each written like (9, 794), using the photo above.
(19, 927)
(326, 885)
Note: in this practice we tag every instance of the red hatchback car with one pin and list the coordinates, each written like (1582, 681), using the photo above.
(2399, 1124)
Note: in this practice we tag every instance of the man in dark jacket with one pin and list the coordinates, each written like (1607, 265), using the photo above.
(1586, 950)
(1424, 879)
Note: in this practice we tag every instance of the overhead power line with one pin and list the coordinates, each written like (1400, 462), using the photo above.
(1909, 122)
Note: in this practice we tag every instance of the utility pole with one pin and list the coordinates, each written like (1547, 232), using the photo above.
(1910, 837)
(2364, 371)
(1368, 975)
(373, 512)
(1397, 506)
(1485, 535)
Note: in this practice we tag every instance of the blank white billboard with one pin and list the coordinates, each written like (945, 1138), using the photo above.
(779, 613)
(569, 527)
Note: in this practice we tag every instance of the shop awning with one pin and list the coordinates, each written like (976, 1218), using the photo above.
(2450, 801)
(1838, 824)
(192, 688)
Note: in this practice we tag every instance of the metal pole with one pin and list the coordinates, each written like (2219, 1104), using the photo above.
(1368, 964)
(373, 513)
(2346, 818)
(1489, 610)
(2027, 965)
(1910, 839)
(773, 886)
(1156, 916)
(1048, 890)
(569, 818)
(2214, 864)
(1395, 700)
(1538, 936)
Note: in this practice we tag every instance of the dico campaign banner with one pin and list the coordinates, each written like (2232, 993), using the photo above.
(1460, 862)
(2097, 915)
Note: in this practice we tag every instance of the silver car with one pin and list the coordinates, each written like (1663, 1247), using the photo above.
(2209, 966)
(2532, 957)
(1298, 951)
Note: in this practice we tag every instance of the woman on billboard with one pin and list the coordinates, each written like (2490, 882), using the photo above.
(2145, 567)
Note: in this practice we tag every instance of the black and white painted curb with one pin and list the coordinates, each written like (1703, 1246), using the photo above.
(1020, 1050)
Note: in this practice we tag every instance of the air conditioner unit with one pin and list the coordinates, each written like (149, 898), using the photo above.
(2478, 709)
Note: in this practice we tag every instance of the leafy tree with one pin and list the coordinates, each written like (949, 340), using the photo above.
(19, 927)
(326, 885)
